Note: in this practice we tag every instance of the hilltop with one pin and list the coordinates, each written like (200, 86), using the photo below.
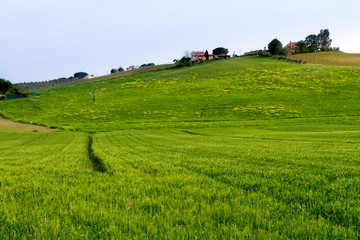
(222, 92)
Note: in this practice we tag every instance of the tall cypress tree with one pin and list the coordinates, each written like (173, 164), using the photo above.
(207, 55)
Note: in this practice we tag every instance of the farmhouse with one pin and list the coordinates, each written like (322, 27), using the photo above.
(131, 68)
(199, 55)
(290, 48)
(89, 76)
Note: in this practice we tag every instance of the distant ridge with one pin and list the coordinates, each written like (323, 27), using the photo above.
(32, 86)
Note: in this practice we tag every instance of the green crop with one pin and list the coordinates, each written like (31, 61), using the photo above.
(234, 149)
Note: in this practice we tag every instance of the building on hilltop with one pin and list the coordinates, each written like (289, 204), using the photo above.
(131, 68)
(291, 48)
(199, 55)
(89, 76)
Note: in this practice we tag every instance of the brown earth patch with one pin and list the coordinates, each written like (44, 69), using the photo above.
(330, 58)
(11, 126)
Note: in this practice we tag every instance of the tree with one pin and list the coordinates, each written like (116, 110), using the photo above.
(302, 47)
(324, 40)
(220, 51)
(313, 43)
(80, 75)
(17, 89)
(207, 55)
(5, 85)
(184, 62)
(113, 71)
(120, 69)
(275, 47)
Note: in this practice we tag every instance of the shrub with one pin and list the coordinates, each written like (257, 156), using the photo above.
(184, 62)
(265, 54)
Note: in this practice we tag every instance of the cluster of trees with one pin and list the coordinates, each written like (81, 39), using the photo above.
(312, 43)
(147, 65)
(54, 83)
(5, 85)
(7, 88)
(114, 70)
(183, 62)
(315, 43)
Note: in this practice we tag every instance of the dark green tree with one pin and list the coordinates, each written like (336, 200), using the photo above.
(17, 89)
(275, 47)
(184, 62)
(120, 69)
(220, 51)
(113, 71)
(324, 40)
(313, 43)
(5, 85)
(80, 75)
(302, 47)
(207, 55)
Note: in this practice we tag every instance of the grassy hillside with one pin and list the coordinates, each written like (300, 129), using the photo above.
(35, 86)
(244, 148)
(125, 73)
(224, 91)
(330, 58)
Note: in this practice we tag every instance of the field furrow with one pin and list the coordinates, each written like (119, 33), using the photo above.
(265, 173)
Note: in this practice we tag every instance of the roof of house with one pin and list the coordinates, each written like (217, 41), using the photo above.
(198, 53)
(290, 44)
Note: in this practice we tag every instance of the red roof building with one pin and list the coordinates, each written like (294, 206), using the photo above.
(199, 55)
(290, 48)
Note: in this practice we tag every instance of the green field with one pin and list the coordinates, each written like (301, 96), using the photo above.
(244, 148)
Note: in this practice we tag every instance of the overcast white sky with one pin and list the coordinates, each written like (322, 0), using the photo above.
(47, 39)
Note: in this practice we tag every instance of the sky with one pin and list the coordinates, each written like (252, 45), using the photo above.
(47, 39)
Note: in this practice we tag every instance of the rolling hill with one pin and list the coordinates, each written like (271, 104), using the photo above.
(225, 92)
(231, 149)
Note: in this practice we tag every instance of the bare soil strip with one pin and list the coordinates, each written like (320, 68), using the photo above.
(330, 58)
(22, 127)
